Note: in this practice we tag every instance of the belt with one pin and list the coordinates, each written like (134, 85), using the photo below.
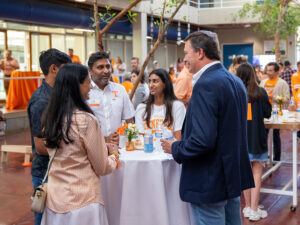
(7, 75)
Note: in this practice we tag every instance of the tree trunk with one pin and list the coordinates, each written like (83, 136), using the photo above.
(96, 18)
(285, 4)
(159, 38)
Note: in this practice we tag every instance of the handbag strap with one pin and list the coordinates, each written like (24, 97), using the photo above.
(49, 165)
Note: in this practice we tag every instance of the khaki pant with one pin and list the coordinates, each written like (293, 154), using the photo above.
(6, 84)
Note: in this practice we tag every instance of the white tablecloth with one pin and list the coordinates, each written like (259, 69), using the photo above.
(145, 191)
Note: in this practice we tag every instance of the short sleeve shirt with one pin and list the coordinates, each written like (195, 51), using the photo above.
(35, 108)
(158, 114)
(296, 86)
(110, 106)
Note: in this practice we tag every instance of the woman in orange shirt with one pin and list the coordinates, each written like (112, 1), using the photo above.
(69, 127)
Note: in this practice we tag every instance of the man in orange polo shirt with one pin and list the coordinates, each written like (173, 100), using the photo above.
(274, 87)
(127, 84)
(296, 91)
(296, 84)
(75, 58)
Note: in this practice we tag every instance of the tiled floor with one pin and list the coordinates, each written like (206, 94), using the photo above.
(15, 188)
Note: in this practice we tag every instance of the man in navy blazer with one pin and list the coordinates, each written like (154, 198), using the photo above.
(213, 150)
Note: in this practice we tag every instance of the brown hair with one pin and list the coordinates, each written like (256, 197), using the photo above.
(247, 74)
(137, 72)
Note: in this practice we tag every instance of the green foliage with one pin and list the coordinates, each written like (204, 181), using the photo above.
(108, 15)
(268, 12)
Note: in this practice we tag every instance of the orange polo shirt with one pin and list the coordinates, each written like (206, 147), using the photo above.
(296, 86)
(75, 59)
(183, 86)
(128, 86)
(269, 87)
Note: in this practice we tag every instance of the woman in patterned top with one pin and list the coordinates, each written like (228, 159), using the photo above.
(74, 191)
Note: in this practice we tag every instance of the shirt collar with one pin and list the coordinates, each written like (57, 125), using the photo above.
(200, 72)
(95, 86)
(47, 86)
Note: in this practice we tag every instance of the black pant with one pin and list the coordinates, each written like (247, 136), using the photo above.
(276, 144)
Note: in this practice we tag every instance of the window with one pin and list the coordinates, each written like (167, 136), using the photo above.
(77, 43)
(39, 43)
(17, 43)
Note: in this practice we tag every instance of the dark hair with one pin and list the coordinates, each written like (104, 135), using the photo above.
(137, 72)
(200, 40)
(247, 74)
(136, 58)
(276, 67)
(287, 63)
(71, 49)
(298, 63)
(280, 64)
(52, 56)
(95, 57)
(65, 98)
(168, 101)
(126, 78)
(239, 60)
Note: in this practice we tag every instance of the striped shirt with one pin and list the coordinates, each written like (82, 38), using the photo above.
(74, 177)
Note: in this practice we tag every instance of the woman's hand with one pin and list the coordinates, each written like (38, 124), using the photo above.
(113, 138)
(112, 148)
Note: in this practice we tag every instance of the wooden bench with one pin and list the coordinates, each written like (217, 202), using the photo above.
(25, 149)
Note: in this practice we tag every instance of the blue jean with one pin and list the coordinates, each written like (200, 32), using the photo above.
(233, 211)
(220, 213)
(37, 181)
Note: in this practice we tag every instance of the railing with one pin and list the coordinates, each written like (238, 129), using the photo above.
(204, 4)
(24, 78)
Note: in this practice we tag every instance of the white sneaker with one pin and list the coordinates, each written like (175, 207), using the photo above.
(246, 212)
(258, 214)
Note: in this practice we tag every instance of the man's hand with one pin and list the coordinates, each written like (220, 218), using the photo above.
(166, 145)
(292, 107)
(270, 96)
(113, 138)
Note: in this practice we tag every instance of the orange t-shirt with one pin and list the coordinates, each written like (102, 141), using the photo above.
(75, 59)
(116, 80)
(128, 86)
(296, 86)
(173, 77)
(269, 87)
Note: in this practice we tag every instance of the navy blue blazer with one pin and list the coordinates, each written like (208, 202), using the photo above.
(213, 150)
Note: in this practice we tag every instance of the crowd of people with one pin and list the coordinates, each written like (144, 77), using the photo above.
(75, 113)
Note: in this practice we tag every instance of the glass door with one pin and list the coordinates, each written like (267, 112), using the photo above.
(38, 43)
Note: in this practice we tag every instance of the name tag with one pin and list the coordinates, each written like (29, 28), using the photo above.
(94, 104)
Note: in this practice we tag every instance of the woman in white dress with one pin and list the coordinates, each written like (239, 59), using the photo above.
(162, 109)
(74, 191)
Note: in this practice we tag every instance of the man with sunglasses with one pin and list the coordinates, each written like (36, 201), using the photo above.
(108, 100)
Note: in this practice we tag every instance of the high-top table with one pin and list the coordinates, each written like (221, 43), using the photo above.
(145, 191)
(287, 122)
